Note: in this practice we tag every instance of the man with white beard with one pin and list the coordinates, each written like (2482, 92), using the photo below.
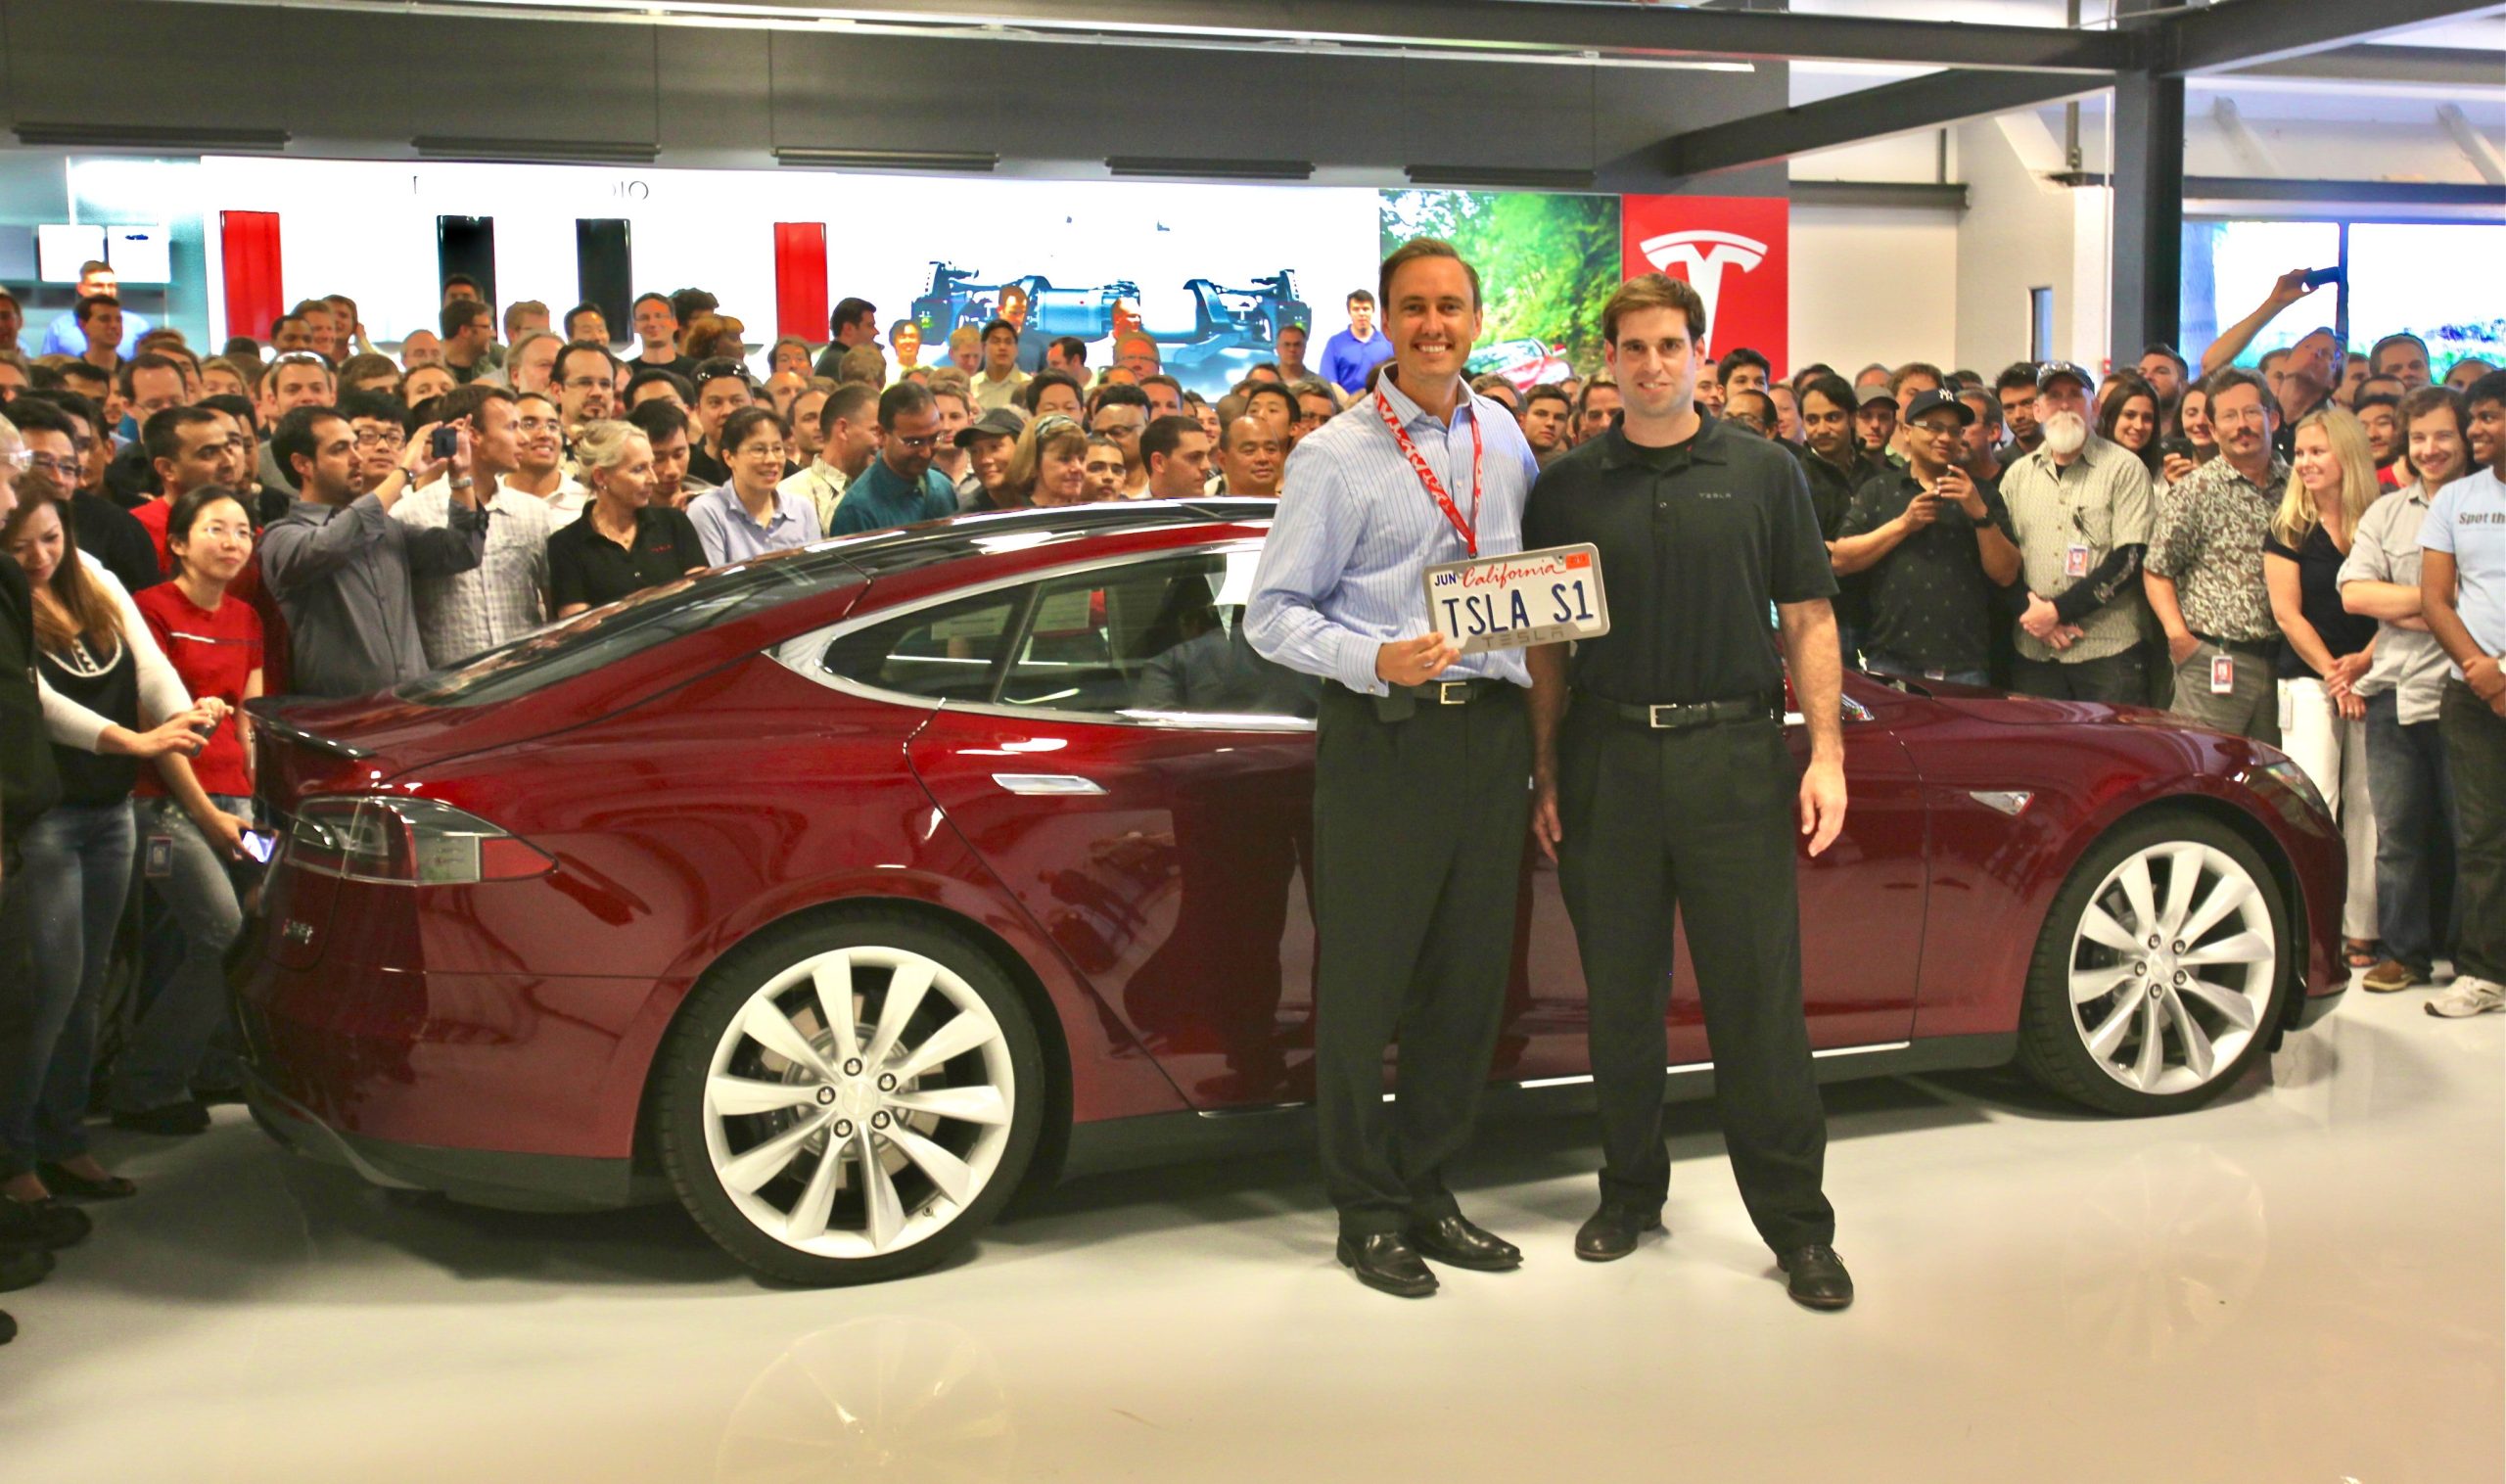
(2081, 507)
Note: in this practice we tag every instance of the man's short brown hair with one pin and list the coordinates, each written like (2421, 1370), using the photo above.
(1417, 247)
(1655, 291)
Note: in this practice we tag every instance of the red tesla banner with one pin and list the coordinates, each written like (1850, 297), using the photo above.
(1735, 249)
(800, 279)
(250, 260)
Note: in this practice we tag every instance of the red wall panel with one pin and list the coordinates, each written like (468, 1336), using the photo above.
(800, 279)
(251, 253)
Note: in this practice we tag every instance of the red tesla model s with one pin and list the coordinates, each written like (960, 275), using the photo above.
(840, 893)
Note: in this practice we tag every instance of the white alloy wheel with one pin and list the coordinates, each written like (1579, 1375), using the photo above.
(2172, 966)
(859, 1102)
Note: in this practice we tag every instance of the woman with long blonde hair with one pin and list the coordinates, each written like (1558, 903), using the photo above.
(2325, 650)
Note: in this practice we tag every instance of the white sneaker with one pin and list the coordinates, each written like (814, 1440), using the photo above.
(2469, 995)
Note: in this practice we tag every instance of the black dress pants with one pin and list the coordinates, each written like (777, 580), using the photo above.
(1702, 820)
(1418, 827)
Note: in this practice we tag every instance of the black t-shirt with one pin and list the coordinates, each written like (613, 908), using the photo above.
(587, 567)
(110, 534)
(2319, 598)
(678, 363)
(29, 783)
(1930, 601)
(703, 465)
(1696, 540)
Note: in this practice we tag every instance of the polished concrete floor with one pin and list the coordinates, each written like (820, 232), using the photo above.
(2304, 1282)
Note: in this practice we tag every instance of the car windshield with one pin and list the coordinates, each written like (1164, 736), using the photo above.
(655, 616)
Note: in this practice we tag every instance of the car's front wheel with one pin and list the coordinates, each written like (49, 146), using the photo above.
(849, 1101)
(2158, 975)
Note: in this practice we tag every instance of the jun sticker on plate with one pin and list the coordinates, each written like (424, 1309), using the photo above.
(1507, 602)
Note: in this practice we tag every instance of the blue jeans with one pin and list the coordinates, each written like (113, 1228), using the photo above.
(180, 1014)
(2412, 791)
(76, 876)
(1890, 665)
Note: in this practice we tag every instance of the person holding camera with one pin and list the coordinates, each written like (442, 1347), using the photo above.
(1936, 544)
(341, 566)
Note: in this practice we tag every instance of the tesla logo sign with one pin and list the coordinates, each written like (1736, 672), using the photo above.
(1704, 255)
(1733, 248)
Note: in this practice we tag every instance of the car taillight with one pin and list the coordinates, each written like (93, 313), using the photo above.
(407, 842)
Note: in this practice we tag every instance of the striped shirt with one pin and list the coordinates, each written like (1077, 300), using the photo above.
(1344, 571)
(2100, 503)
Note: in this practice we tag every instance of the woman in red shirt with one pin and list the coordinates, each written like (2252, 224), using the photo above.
(191, 827)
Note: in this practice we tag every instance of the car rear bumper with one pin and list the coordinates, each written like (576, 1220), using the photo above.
(479, 1177)
(2314, 1008)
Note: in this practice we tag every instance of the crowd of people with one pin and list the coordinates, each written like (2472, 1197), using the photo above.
(2311, 553)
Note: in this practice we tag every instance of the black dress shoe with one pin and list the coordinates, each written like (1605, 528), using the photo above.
(210, 1097)
(62, 1182)
(23, 1270)
(1454, 1242)
(1817, 1278)
(41, 1226)
(1387, 1262)
(1610, 1232)
(8, 1327)
(173, 1119)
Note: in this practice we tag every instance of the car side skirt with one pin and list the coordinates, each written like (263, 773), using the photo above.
(1159, 1138)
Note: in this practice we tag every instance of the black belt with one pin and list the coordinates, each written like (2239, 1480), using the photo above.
(1683, 716)
(1401, 702)
(2260, 649)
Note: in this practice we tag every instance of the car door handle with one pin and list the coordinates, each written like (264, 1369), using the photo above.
(1047, 784)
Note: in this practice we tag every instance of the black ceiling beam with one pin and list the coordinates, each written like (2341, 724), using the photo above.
(2443, 67)
(2245, 33)
(1896, 108)
(1495, 27)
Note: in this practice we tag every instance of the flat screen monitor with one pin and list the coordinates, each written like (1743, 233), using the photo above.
(62, 248)
(140, 254)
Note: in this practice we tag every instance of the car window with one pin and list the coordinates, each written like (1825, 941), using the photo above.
(655, 616)
(1163, 636)
(948, 653)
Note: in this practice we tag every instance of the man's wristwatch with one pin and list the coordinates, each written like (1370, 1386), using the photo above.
(462, 481)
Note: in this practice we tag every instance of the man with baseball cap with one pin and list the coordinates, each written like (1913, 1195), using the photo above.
(2080, 508)
(1936, 545)
(1875, 421)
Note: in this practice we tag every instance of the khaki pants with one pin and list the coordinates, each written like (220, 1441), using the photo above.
(2250, 706)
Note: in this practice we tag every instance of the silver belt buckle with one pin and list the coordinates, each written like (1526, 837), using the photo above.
(1452, 692)
(1654, 719)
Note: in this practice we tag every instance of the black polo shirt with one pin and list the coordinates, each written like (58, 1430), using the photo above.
(1695, 539)
(1928, 601)
(586, 567)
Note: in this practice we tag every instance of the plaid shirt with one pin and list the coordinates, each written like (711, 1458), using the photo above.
(504, 597)
(2210, 528)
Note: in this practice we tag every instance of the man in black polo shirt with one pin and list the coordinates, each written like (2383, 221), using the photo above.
(1936, 545)
(1669, 786)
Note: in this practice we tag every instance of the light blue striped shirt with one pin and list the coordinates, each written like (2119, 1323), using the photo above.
(1344, 571)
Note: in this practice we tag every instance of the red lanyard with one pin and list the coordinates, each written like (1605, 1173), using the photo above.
(1427, 477)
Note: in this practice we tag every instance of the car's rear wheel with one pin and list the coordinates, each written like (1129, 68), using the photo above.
(849, 1101)
(2159, 974)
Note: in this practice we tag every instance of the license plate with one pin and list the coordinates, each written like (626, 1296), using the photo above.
(1530, 597)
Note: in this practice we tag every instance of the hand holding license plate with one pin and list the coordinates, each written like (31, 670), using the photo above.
(1509, 602)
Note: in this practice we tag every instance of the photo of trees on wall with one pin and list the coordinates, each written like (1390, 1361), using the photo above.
(1548, 262)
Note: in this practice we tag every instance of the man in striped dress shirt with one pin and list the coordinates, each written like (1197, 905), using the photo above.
(1420, 770)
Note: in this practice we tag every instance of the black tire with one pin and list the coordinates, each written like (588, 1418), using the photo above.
(686, 1062)
(2051, 1046)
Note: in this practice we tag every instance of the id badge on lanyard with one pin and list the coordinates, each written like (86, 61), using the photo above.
(1435, 488)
